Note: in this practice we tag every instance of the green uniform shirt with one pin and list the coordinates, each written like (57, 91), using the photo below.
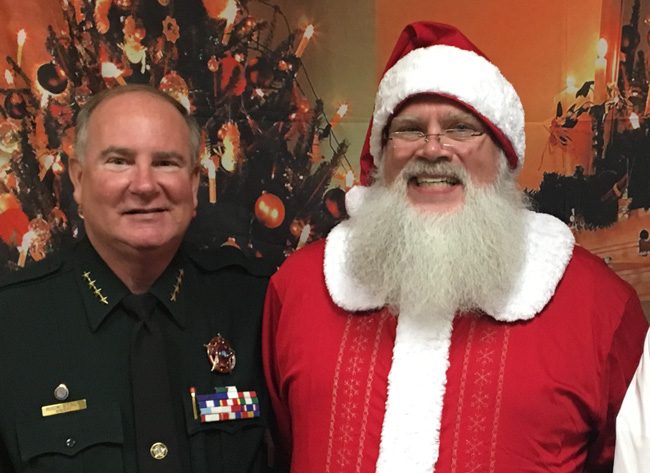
(61, 322)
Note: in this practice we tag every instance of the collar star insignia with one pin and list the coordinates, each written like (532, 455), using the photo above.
(177, 285)
(97, 291)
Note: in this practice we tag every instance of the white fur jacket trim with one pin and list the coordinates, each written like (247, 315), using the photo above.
(417, 379)
(549, 246)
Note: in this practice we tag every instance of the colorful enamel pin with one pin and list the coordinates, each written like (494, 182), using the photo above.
(221, 355)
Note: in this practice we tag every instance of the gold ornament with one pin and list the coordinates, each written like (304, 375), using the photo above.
(269, 210)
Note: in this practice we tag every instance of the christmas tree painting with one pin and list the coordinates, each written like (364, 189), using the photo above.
(273, 173)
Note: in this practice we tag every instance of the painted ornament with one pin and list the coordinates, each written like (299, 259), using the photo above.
(269, 210)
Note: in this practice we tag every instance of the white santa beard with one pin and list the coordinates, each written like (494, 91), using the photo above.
(437, 264)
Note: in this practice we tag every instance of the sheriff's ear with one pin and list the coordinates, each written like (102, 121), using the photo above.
(75, 171)
(196, 180)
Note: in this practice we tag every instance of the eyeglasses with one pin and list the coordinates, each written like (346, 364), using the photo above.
(445, 137)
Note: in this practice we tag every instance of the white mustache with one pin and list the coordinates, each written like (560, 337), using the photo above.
(421, 167)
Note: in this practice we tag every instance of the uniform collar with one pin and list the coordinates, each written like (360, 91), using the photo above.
(170, 289)
(549, 247)
(101, 290)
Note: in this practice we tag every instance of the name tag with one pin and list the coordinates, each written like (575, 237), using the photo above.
(62, 408)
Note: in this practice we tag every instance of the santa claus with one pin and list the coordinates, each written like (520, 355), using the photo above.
(444, 326)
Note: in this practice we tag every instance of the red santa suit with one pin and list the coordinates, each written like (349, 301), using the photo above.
(530, 383)
(533, 383)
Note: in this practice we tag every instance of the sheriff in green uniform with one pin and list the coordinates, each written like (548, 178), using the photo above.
(131, 352)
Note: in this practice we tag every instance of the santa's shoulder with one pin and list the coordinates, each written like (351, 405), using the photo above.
(591, 272)
(556, 246)
(306, 262)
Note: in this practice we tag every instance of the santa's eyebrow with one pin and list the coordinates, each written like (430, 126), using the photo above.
(405, 120)
(459, 115)
(449, 116)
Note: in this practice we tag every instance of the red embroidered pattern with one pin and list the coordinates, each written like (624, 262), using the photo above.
(479, 401)
(461, 398)
(497, 407)
(371, 366)
(353, 377)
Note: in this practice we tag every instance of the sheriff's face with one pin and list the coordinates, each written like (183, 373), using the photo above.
(136, 182)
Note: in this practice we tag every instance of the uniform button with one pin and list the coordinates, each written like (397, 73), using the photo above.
(158, 450)
(70, 442)
(61, 392)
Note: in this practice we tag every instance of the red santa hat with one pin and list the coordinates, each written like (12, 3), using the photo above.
(433, 58)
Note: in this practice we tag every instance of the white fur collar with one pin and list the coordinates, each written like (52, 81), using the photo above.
(549, 246)
(411, 428)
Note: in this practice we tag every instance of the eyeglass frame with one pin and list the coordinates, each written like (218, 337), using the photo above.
(423, 138)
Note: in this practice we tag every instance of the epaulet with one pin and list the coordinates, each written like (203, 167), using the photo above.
(212, 260)
(34, 272)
